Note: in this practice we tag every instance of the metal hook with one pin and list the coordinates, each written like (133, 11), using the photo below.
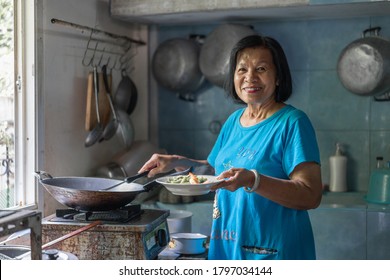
(126, 58)
(122, 59)
(98, 64)
(108, 63)
(115, 67)
(86, 50)
(123, 56)
(91, 63)
(129, 71)
(101, 58)
(101, 64)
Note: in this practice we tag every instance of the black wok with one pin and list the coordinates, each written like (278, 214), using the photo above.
(87, 194)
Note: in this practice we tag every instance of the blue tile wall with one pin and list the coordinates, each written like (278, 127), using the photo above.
(312, 47)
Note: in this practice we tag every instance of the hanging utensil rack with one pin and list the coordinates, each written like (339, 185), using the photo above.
(105, 48)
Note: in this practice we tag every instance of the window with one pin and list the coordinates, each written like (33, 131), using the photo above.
(17, 103)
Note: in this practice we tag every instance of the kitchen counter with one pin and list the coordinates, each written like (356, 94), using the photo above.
(202, 210)
(345, 226)
(330, 200)
(350, 200)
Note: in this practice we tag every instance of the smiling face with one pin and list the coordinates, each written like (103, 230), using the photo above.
(255, 77)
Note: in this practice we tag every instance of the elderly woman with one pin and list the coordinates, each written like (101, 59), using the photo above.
(267, 153)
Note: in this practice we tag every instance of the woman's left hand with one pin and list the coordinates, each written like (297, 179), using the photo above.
(235, 178)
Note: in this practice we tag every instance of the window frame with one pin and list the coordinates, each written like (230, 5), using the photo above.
(26, 189)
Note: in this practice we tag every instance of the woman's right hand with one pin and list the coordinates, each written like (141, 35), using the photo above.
(159, 163)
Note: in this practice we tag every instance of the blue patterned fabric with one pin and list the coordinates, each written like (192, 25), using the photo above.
(247, 225)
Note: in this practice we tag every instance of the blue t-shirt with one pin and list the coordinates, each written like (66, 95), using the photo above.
(247, 225)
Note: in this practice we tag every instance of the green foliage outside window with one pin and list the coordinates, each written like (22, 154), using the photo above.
(7, 60)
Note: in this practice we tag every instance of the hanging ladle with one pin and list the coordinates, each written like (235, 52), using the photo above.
(96, 133)
(112, 126)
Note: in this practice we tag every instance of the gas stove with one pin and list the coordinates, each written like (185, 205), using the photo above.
(122, 215)
(126, 233)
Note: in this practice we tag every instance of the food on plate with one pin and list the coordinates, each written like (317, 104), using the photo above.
(185, 179)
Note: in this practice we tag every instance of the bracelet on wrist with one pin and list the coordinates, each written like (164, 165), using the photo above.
(256, 183)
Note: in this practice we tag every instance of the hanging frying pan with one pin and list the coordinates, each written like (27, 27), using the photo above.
(175, 65)
(364, 65)
(215, 52)
(133, 98)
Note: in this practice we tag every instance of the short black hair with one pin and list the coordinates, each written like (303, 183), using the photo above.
(283, 74)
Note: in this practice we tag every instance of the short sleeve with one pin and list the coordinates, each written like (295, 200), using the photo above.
(301, 143)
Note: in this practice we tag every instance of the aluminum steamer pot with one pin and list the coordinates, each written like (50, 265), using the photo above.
(188, 243)
(175, 65)
(364, 65)
(215, 52)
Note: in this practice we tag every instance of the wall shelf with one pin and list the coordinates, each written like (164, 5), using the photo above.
(206, 12)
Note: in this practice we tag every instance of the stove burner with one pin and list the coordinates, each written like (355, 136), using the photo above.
(121, 215)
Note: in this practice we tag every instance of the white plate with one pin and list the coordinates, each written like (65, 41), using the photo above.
(189, 189)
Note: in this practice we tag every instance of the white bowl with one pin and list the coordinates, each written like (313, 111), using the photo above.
(189, 189)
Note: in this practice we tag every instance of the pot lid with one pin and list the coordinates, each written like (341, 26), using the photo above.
(17, 252)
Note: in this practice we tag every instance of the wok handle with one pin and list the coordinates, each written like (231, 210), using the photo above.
(148, 186)
(372, 29)
(42, 175)
(126, 180)
(133, 178)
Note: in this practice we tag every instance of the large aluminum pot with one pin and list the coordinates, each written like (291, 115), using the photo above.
(364, 65)
(215, 52)
(175, 65)
(19, 252)
(85, 193)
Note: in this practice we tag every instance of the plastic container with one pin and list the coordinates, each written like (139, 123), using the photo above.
(379, 163)
(379, 187)
(338, 171)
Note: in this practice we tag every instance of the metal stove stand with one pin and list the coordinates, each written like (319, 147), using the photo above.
(12, 221)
